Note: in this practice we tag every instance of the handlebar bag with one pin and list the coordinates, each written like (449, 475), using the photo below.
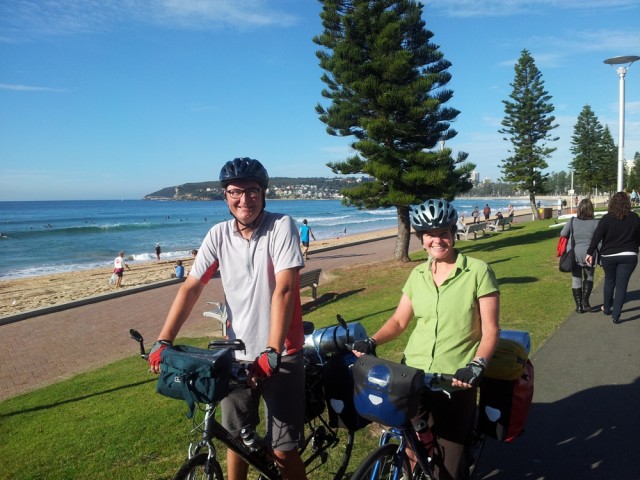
(195, 375)
(386, 392)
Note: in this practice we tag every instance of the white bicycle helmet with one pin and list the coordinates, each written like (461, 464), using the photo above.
(433, 214)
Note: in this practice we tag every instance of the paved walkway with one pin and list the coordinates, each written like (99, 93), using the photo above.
(585, 420)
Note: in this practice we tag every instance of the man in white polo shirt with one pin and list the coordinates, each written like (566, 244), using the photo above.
(258, 255)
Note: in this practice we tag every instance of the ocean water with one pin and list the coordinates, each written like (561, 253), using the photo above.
(41, 238)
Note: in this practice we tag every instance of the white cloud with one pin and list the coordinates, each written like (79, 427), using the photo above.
(504, 8)
(25, 18)
(29, 88)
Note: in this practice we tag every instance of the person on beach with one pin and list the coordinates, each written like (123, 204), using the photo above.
(305, 231)
(259, 257)
(619, 232)
(158, 251)
(582, 228)
(179, 270)
(476, 215)
(455, 301)
(510, 211)
(119, 264)
(486, 211)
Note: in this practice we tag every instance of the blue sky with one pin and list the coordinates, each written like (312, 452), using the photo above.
(116, 99)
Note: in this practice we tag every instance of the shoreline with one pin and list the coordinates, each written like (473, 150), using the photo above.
(21, 295)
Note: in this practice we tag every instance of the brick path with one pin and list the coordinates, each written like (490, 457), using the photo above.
(42, 350)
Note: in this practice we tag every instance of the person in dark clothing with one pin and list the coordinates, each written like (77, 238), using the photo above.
(619, 231)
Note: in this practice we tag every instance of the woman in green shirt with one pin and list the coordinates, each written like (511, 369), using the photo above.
(455, 301)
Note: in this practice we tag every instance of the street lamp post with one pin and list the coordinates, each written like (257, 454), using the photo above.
(626, 60)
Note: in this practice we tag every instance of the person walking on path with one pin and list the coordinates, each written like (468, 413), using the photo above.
(582, 228)
(119, 264)
(259, 257)
(619, 232)
(305, 231)
(158, 251)
(455, 301)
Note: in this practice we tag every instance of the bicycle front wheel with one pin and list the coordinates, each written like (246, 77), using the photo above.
(382, 464)
(200, 467)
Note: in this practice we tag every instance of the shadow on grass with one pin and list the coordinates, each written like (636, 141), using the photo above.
(77, 399)
(513, 238)
(327, 298)
(517, 280)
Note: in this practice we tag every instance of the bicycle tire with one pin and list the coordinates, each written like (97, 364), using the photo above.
(380, 465)
(328, 452)
(196, 469)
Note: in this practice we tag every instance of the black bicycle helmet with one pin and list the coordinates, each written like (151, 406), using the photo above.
(244, 169)
(433, 214)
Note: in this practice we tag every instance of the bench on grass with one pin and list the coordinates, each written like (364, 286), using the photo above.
(311, 279)
(218, 313)
(503, 222)
(473, 228)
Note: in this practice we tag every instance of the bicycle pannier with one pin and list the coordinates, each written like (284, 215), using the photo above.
(504, 405)
(194, 375)
(386, 392)
(508, 360)
(338, 391)
(313, 388)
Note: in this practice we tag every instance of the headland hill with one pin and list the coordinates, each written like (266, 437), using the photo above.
(284, 188)
(305, 188)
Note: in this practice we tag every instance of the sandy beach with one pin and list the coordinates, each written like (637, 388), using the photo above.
(30, 293)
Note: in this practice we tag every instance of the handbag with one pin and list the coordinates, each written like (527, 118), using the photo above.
(562, 246)
(386, 392)
(195, 375)
(568, 258)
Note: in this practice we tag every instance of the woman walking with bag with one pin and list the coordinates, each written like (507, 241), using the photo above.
(582, 227)
(619, 231)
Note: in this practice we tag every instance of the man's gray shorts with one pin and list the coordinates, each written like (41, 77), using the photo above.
(284, 398)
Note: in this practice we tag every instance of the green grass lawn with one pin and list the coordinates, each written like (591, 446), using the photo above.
(110, 424)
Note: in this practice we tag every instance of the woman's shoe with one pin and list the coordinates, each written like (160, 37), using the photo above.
(606, 312)
(615, 320)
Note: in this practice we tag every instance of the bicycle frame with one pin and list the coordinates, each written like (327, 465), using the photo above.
(214, 430)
